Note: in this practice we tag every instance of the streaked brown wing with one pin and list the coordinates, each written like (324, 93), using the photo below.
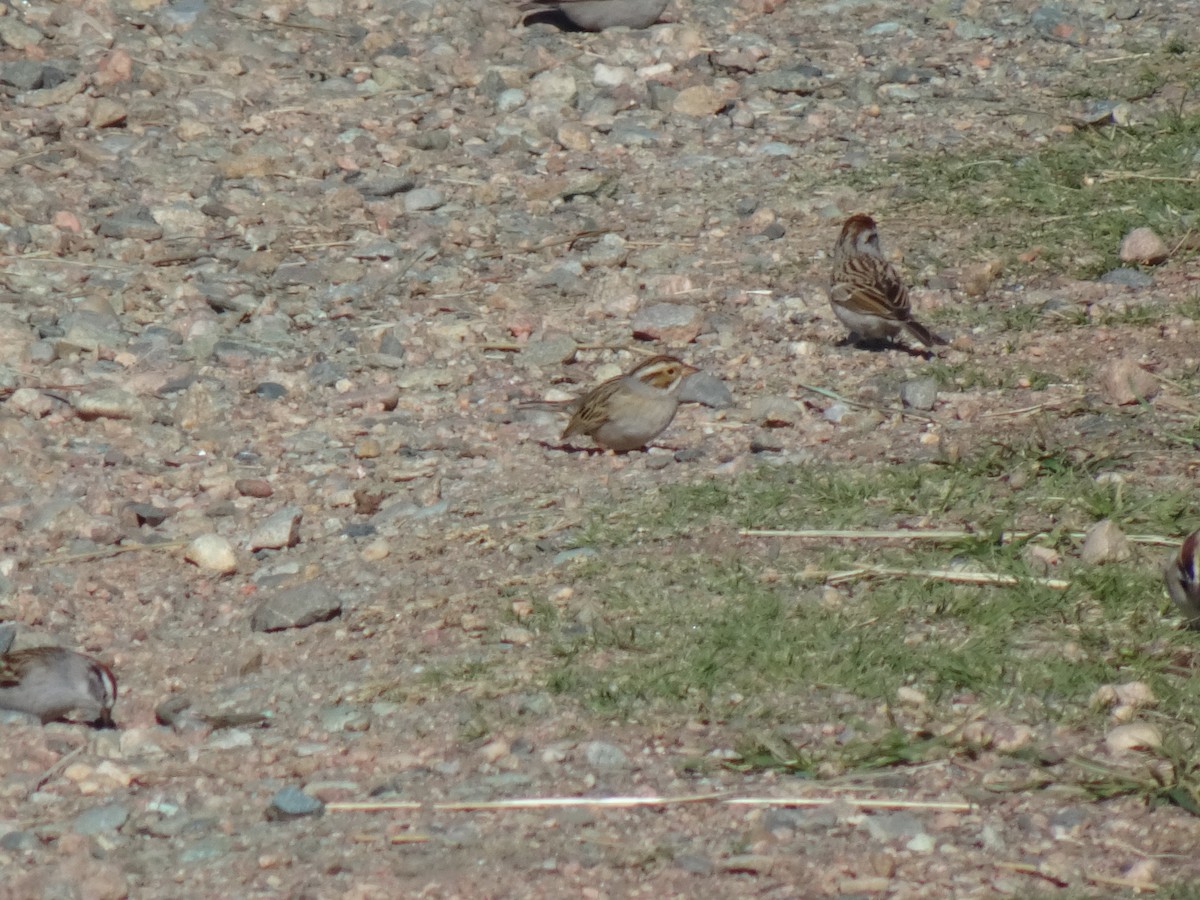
(874, 287)
(894, 291)
(593, 410)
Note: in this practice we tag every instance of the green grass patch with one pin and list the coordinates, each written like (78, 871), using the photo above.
(970, 375)
(1074, 198)
(687, 618)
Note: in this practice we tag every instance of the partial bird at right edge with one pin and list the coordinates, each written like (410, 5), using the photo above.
(865, 290)
(1183, 579)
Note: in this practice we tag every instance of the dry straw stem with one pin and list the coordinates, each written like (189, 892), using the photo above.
(1183, 240)
(632, 802)
(1138, 887)
(1114, 175)
(57, 260)
(834, 395)
(111, 551)
(932, 534)
(409, 839)
(1024, 410)
(50, 389)
(554, 242)
(298, 26)
(1147, 887)
(1036, 871)
(955, 577)
(54, 770)
(511, 347)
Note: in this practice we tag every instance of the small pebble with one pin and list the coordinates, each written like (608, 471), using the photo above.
(100, 819)
(1128, 277)
(1105, 543)
(920, 393)
(672, 323)
(297, 607)
(280, 529)
(603, 755)
(706, 389)
(212, 552)
(774, 411)
(292, 803)
(423, 199)
(109, 403)
(1142, 245)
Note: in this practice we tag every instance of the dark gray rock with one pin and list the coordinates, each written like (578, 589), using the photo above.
(148, 514)
(603, 755)
(297, 607)
(270, 390)
(386, 185)
(1127, 277)
(19, 841)
(23, 74)
(292, 803)
(695, 864)
(550, 351)
(101, 819)
(707, 389)
(134, 222)
(893, 826)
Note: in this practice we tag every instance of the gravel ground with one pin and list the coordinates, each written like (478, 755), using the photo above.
(274, 274)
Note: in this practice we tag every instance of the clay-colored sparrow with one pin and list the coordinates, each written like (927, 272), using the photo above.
(596, 15)
(629, 411)
(866, 291)
(52, 682)
(1182, 577)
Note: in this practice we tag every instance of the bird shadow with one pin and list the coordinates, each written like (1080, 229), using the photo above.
(595, 451)
(571, 448)
(553, 17)
(885, 345)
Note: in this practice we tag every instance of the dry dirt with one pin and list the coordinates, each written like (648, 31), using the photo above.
(308, 255)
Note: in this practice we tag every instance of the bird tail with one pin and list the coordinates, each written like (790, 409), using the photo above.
(553, 405)
(923, 334)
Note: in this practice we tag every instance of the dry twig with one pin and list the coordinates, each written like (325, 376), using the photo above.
(632, 802)
(953, 576)
(111, 551)
(616, 348)
(932, 534)
(891, 410)
(552, 242)
(1148, 887)
(1036, 871)
(54, 770)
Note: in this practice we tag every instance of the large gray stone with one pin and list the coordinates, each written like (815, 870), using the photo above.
(297, 607)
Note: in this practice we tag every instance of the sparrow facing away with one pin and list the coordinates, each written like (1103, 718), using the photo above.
(865, 290)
